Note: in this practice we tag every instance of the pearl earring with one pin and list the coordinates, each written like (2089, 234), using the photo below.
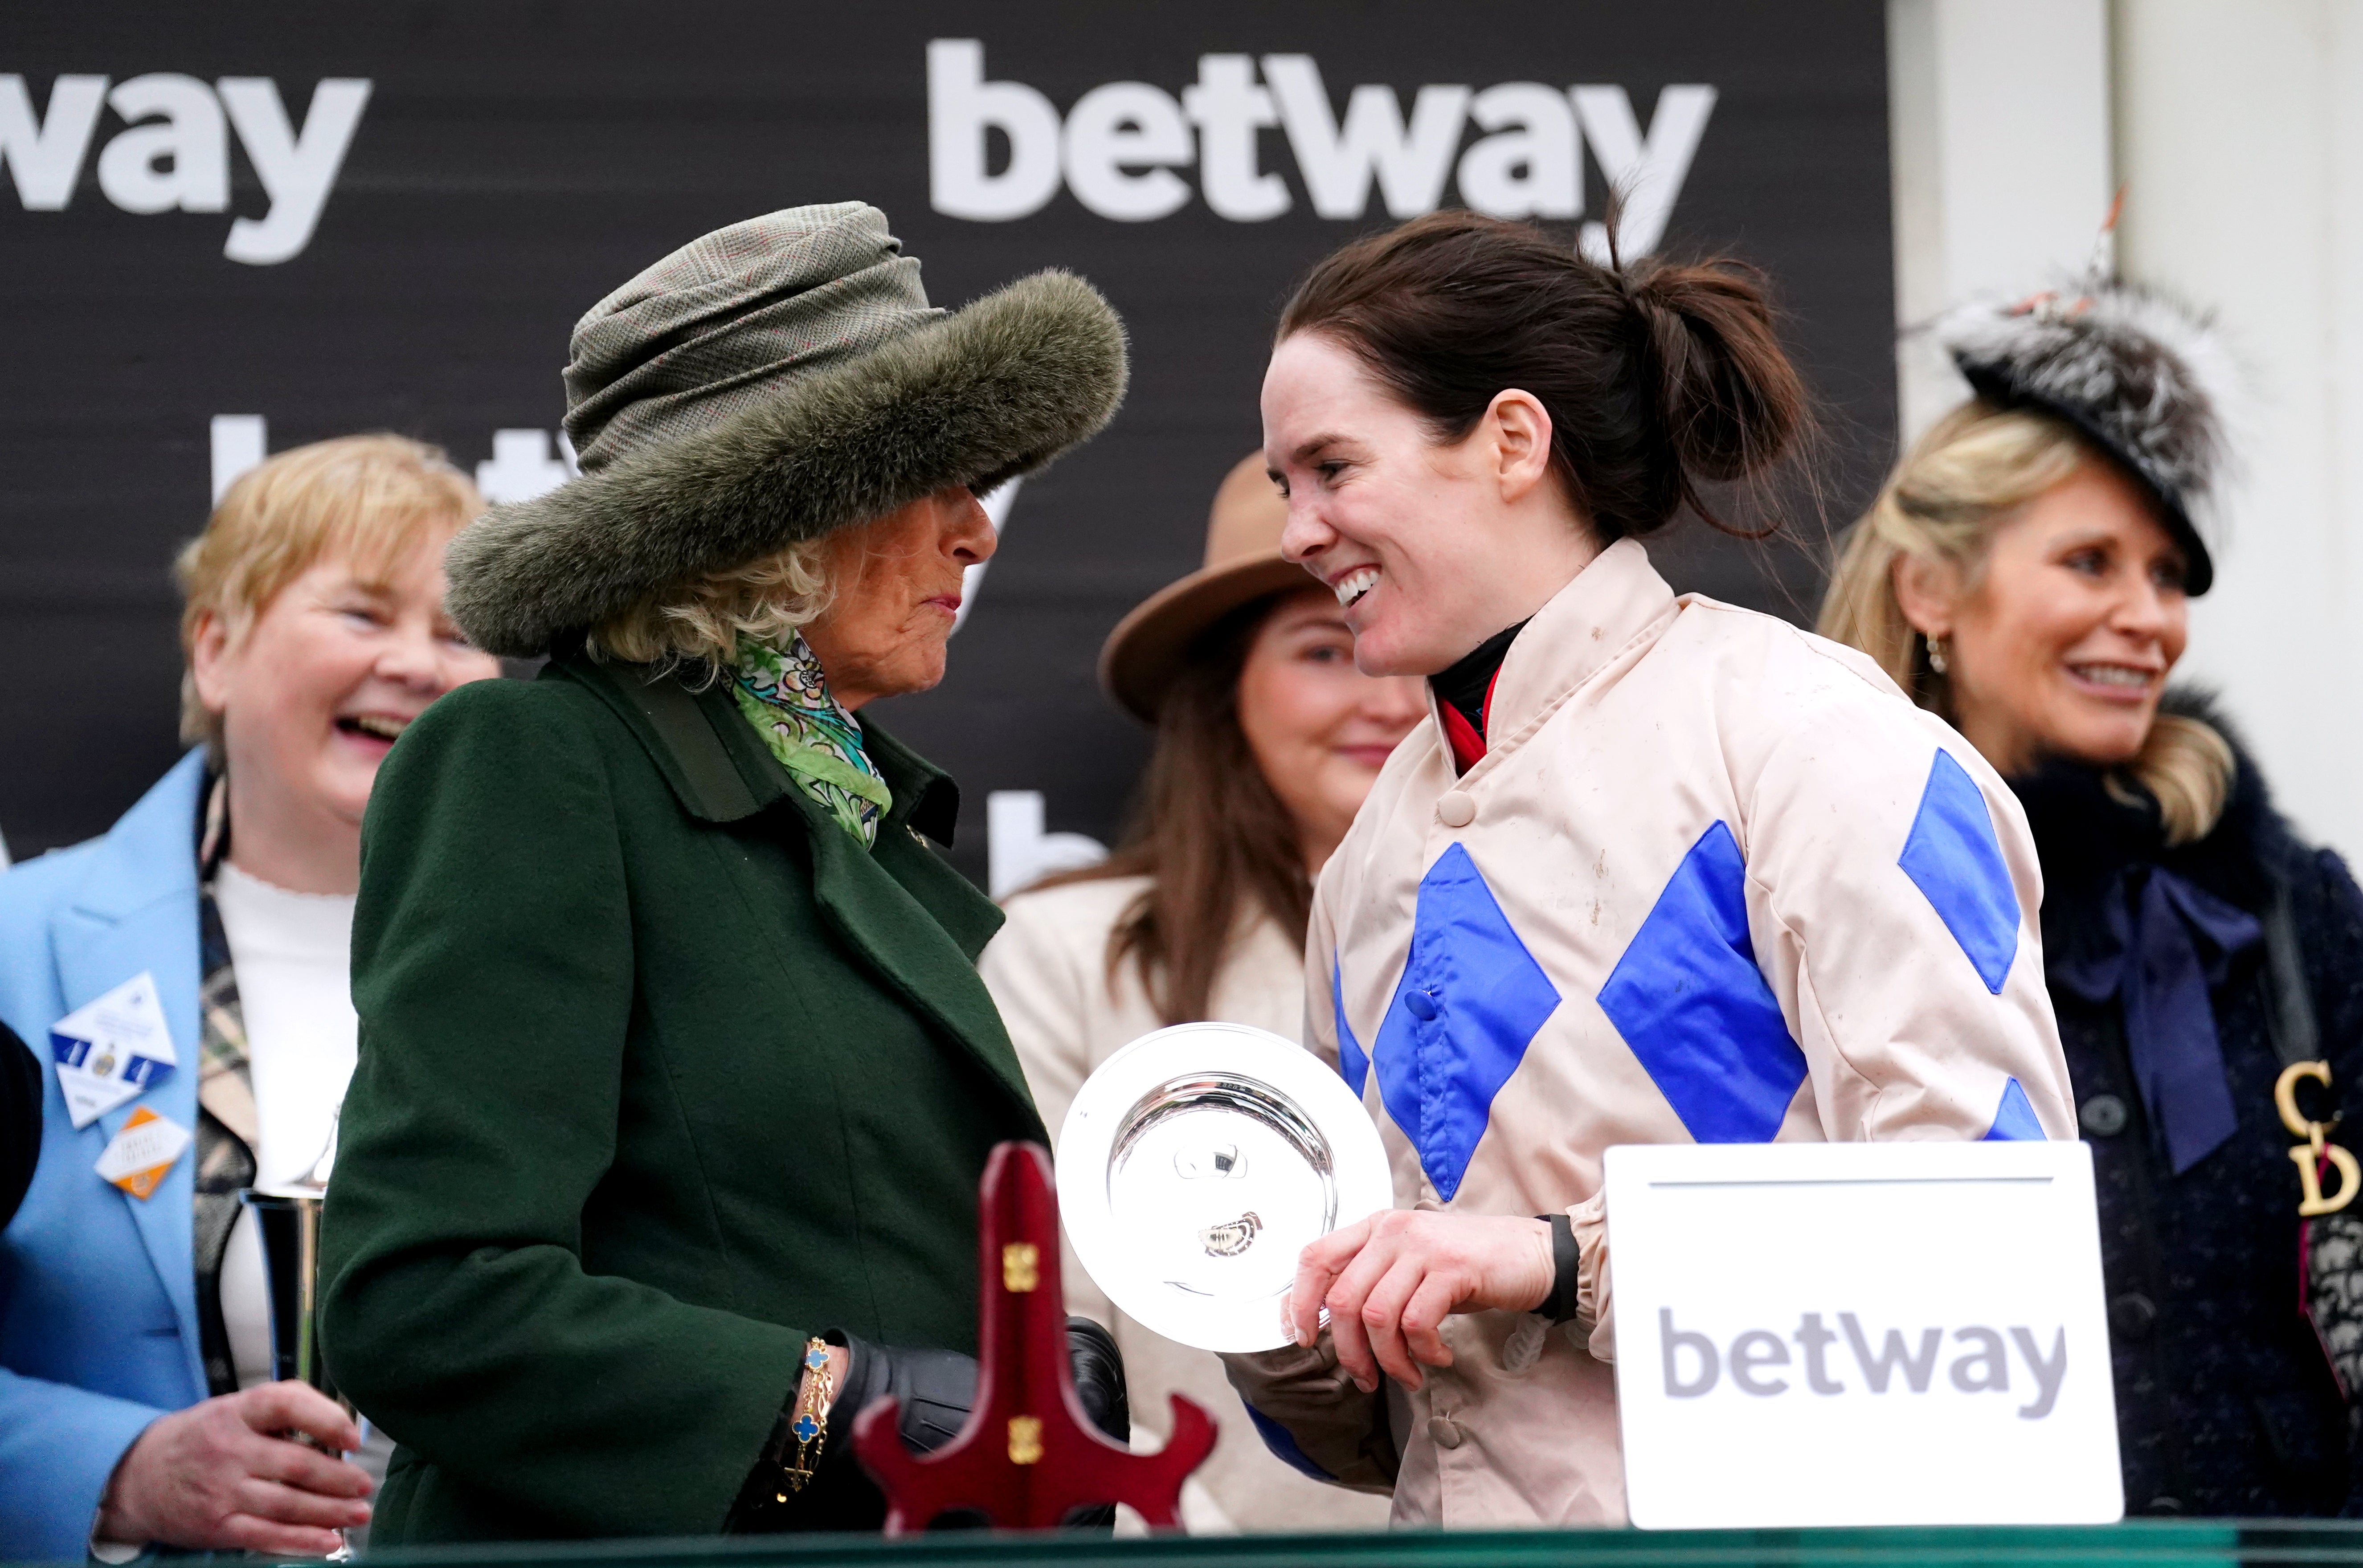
(1936, 654)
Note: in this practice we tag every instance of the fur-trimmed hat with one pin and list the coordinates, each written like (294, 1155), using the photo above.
(770, 383)
(2144, 378)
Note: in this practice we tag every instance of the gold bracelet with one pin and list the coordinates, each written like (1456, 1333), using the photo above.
(810, 1428)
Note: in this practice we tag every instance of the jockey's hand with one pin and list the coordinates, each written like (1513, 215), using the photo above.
(1391, 1280)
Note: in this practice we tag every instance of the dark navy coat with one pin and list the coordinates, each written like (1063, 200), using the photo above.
(2226, 1403)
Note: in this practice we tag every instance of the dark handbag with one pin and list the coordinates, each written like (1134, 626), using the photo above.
(2330, 1232)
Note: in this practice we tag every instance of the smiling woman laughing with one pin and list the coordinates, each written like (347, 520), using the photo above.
(220, 908)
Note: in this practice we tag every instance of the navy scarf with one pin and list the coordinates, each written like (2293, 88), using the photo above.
(2165, 945)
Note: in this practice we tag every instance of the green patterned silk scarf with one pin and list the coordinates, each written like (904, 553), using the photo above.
(785, 697)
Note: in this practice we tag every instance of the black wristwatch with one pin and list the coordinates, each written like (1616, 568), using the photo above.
(1566, 1269)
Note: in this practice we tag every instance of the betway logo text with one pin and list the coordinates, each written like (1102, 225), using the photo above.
(174, 153)
(1758, 1361)
(1120, 147)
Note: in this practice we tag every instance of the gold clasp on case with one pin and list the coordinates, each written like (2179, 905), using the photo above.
(2308, 1156)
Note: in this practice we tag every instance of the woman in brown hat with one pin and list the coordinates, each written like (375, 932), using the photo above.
(1267, 739)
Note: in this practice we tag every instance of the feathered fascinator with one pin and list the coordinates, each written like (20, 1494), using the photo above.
(2145, 380)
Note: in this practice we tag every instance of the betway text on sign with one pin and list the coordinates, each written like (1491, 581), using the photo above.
(1125, 147)
(173, 151)
(1892, 1334)
(231, 230)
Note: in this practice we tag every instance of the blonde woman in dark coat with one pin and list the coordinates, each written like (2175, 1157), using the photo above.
(2027, 572)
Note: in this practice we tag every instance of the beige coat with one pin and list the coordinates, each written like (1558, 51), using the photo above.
(1716, 880)
(1047, 972)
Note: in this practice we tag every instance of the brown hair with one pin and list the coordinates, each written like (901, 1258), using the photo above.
(1657, 376)
(371, 499)
(1207, 832)
(1975, 467)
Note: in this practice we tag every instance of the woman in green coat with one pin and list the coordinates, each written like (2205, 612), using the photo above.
(676, 1077)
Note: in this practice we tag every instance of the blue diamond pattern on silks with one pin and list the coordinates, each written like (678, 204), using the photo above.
(805, 1429)
(1353, 1064)
(1470, 1001)
(1953, 858)
(2015, 1120)
(1691, 1004)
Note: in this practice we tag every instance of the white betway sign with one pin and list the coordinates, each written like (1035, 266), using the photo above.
(173, 154)
(1861, 1334)
(1124, 149)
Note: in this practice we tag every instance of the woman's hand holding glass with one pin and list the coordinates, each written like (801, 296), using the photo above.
(225, 1474)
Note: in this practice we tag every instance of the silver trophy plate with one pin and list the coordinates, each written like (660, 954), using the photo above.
(1197, 1161)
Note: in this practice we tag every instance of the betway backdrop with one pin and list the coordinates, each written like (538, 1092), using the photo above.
(228, 230)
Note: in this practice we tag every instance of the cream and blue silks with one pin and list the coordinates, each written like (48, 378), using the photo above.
(1686, 996)
(1714, 881)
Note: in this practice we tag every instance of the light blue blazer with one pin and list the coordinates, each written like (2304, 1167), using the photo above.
(99, 1322)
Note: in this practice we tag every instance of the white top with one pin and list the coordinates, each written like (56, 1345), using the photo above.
(292, 957)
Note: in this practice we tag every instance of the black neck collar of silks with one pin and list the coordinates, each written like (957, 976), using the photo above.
(1468, 683)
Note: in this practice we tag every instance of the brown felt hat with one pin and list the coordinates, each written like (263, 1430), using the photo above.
(1141, 657)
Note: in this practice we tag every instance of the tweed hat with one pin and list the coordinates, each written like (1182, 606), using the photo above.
(2144, 378)
(1243, 563)
(770, 383)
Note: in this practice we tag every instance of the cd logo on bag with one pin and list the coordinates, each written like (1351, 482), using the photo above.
(2315, 1152)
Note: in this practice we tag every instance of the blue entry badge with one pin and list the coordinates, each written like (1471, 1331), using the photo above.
(112, 1049)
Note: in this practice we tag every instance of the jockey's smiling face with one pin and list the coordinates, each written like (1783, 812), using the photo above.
(1431, 546)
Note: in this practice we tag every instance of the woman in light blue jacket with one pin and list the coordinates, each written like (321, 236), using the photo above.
(181, 981)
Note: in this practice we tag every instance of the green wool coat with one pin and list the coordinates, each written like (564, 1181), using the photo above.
(661, 1073)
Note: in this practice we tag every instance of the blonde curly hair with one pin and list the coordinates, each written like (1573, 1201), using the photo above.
(766, 601)
(1972, 468)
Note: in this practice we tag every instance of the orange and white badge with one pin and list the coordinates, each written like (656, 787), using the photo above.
(143, 1152)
